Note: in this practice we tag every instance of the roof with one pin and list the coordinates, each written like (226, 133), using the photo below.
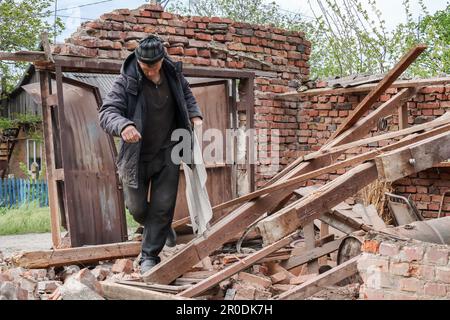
(103, 82)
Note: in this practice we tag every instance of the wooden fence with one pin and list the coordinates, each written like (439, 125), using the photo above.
(17, 192)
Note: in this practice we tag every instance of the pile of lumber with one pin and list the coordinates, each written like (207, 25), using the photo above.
(300, 228)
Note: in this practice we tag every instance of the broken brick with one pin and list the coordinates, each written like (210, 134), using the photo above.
(255, 280)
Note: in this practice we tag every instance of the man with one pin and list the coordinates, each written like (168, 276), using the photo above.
(148, 101)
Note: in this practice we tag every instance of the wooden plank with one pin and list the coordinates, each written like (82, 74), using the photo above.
(235, 268)
(235, 222)
(403, 116)
(25, 56)
(48, 130)
(309, 234)
(358, 131)
(399, 84)
(377, 222)
(442, 120)
(310, 287)
(155, 286)
(325, 198)
(115, 291)
(86, 254)
(309, 255)
(413, 158)
(373, 96)
(363, 126)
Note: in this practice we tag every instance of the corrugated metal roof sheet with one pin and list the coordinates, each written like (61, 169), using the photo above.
(103, 82)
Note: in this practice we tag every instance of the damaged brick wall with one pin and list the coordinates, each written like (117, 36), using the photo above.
(404, 270)
(277, 56)
(319, 116)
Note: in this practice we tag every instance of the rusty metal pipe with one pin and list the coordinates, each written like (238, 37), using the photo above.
(433, 231)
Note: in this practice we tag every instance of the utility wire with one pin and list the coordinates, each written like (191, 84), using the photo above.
(82, 5)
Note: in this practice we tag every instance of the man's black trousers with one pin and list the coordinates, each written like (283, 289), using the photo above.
(162, 176)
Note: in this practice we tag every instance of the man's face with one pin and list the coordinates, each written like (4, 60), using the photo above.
(151, 71)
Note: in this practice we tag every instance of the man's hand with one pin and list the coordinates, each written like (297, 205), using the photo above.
(130, 134)
(196, 121)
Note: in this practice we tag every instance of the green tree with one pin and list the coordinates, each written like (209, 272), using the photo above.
(250, 11)
(21, 23)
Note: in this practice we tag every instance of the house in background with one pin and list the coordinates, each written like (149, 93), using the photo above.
(19, 150)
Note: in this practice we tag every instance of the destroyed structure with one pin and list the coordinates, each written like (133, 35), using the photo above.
(302, 233)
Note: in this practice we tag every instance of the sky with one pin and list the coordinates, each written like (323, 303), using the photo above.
(392, 10)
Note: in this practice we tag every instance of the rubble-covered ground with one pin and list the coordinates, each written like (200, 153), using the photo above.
(77, 282)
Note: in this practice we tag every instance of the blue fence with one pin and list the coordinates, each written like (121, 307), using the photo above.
(16, 192)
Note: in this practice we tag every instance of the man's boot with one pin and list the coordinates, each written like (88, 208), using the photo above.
(171, 240)
(147, 264)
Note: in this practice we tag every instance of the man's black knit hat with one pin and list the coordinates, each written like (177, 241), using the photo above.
(150, 50)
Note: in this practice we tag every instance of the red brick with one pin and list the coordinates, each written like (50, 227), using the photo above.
(435, 289)
(388, 249)
(410, 284)
(432, 90)
(122, 265)
(203, 36)
(400, 269)
(201, 61)
(191, 52)
(412, 253)
(236, 47)
(443, 274)
(166, 15)
(371, 246)
(255, 280)
(205, 53)
(176, 51)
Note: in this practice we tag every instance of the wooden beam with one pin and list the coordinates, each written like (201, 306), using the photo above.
(24, 56)
(81, 255)
(115, 291)
(363, 126)
(235, 268)
(399, 84)
(309, 255)
(322, 200)
(403, 116)
(373, 96)
(358, 131)
(233, 224)
(51, 172)
(309, 234)
(339, 165)
(414, 158)
(310, 287)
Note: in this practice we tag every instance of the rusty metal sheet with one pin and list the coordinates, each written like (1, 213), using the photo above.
(93, 201)
(214, 103)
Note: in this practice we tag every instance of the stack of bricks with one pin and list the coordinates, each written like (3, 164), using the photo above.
(394, 269)
(278, 57)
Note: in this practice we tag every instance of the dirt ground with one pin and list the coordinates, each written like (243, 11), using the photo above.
(26, 242)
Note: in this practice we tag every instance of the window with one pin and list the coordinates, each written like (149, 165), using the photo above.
(34, 154)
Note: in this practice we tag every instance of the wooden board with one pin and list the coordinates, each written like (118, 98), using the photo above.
(309, 255)
(373, 96)
(115, 291)
(317, 284)
(368, 87)
(82, 255)
(325, 198)
(235, 268)
(413, 158)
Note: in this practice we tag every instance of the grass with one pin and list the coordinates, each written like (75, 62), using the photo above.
(30, 218)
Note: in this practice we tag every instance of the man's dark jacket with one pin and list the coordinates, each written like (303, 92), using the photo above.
(124, 105)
